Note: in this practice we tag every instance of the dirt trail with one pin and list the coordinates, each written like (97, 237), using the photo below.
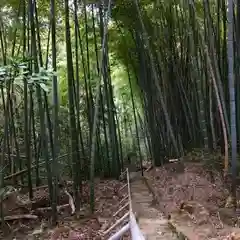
(150, 220)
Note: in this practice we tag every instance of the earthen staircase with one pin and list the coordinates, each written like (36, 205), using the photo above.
(151, 221)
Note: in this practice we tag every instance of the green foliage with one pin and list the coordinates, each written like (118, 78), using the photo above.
(20, 71)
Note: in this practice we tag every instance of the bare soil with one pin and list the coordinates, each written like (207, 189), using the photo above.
(195, 200)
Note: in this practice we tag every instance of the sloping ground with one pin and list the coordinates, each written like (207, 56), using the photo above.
(82, 225)
(195, 201)
(150, 220)
(187, 193)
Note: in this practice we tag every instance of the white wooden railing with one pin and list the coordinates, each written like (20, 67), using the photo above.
(131, 224)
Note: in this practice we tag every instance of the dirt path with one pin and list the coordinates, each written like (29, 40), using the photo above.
(150, 220)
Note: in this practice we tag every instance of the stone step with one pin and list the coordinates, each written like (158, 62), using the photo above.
(157, 229)
(151, 221)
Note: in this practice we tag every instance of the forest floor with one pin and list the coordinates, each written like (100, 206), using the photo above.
(186, 199)
(82, 225)
(195, 201)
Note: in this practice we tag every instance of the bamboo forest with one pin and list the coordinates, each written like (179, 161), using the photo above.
(120, 119)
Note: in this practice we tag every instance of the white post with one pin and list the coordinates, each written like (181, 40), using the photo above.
(136, 233)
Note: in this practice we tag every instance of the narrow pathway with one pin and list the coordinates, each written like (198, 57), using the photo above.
(150, 220)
